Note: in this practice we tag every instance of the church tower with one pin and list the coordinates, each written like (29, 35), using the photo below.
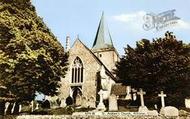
(103, 46)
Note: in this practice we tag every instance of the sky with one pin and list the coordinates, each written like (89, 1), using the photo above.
(124, 18)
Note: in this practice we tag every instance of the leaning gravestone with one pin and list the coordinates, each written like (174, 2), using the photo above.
(169, 111)
(6, 107)
(113, 103)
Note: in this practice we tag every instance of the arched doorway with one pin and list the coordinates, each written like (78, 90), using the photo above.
(77, 95)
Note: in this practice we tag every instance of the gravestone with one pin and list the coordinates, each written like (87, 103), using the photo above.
(32, 106)
(63, 103)
(142, 108)
(20, 108)
(84, 102)
(162, 95)
(169, 111)
(134, 94)
(187, 103)
(12, 110)
(92, 102)
(37, 106)
(101, 105)
(6, 107)
(113, 106)
(128, 96)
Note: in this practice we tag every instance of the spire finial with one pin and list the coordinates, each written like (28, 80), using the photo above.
(77, 36)
(67, 43)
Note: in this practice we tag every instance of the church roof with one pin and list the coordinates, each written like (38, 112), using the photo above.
(97, 59)
(103, 38)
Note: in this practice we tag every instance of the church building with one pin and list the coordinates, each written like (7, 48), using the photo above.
(90, 69)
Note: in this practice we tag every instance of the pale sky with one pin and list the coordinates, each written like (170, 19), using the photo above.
(123, 17)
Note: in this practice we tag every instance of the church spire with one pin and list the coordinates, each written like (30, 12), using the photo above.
(103, 38)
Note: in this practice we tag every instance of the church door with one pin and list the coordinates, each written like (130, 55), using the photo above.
(77, 96)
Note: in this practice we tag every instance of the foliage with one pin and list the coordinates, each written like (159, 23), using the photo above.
(163, 64)
(31, 58)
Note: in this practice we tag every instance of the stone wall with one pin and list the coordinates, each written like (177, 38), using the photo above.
(91, 67)
(109, 58)
(91, 117)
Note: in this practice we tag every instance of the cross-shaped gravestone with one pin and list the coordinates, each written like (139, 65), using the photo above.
(162, 95)
(101, 105)
(101, 96)
(141, 93)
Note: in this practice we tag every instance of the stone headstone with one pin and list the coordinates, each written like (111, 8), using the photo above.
(187, 103)
(84, 102)
(134, 94)
(142, 108)
(6, 107)
(13, 108)
(32, 105)
(162, 95)
(169, 111)
(63, 103)
(37, 106)
(141, 93)
(92, 102)
(128, 96)
(20, 108)
(101, 105)
(113, 103)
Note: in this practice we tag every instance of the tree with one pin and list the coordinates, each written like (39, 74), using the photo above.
(31, 58)
(163, 64)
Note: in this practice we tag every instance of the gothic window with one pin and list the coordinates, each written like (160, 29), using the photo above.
(77, 71)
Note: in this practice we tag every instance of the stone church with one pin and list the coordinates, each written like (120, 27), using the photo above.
(90, 69)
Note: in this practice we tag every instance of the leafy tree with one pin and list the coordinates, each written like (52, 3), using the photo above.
(163, 64)
(31, 58)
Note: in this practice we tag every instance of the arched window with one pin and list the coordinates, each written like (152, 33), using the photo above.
(77, 71)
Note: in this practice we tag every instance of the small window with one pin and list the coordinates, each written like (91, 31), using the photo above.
(100, 55)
